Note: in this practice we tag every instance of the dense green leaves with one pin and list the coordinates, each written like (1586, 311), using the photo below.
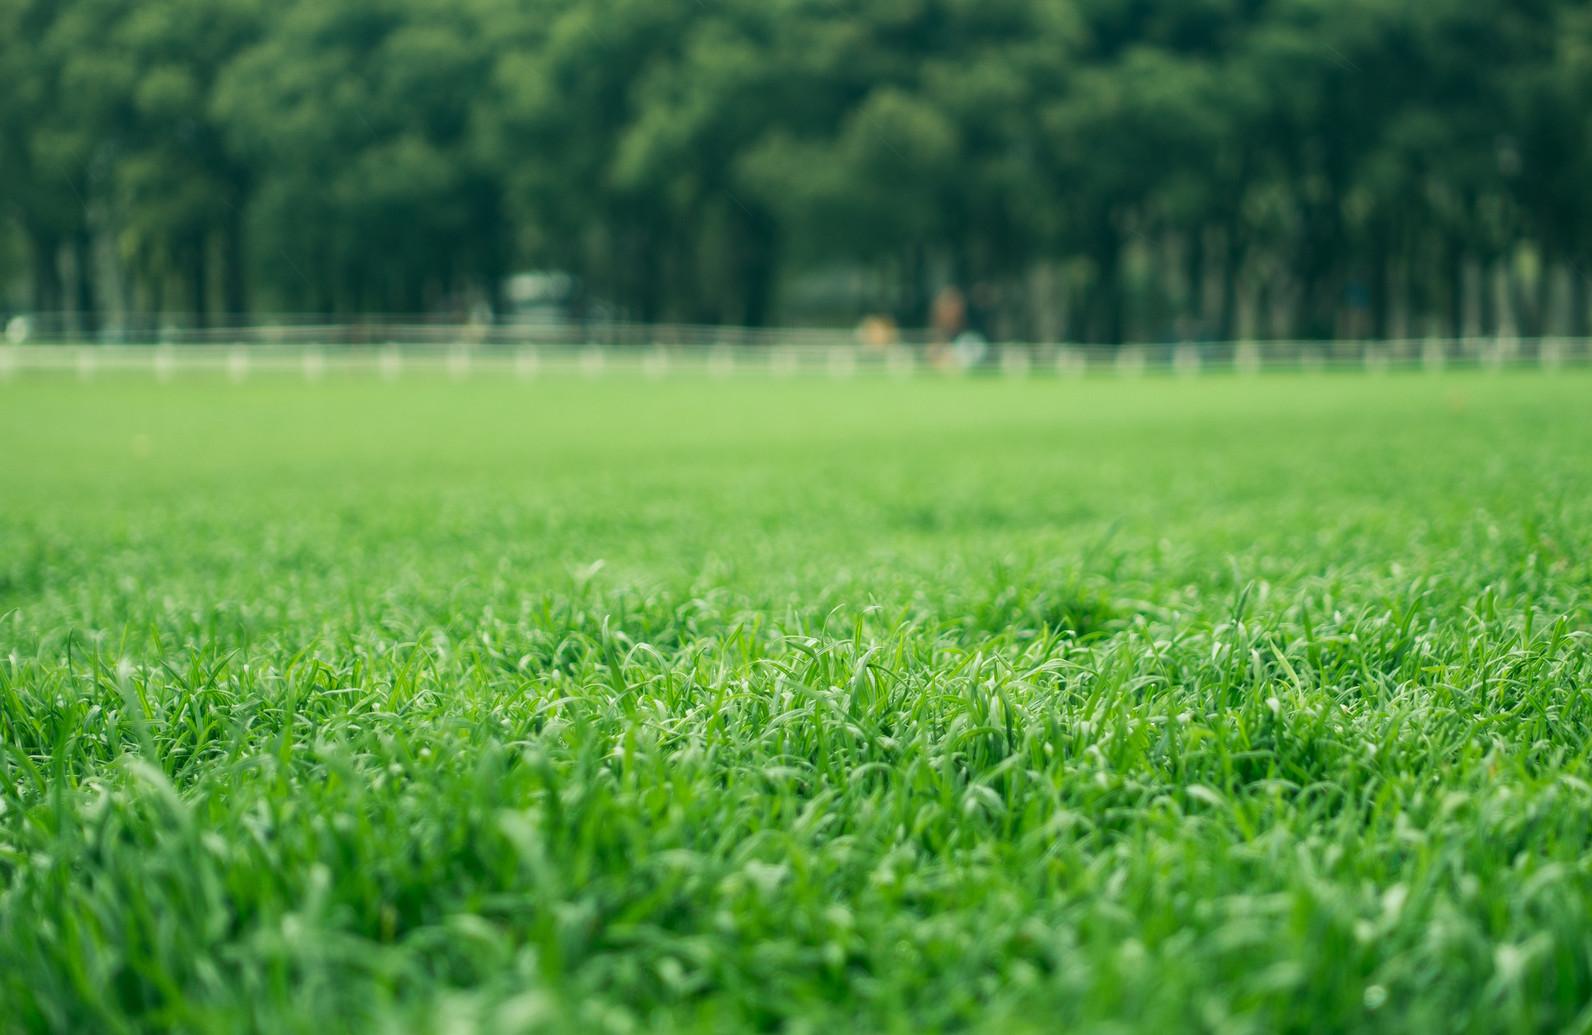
(1096, 169)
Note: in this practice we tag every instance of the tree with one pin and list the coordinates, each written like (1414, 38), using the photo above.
(356, 119)
(1208, 168)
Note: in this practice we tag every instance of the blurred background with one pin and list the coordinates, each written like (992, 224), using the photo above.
(1093, 171)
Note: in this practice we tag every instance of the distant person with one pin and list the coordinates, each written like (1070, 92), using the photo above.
(949, 317)
(970, 349)
(878, 331)
(947, 320)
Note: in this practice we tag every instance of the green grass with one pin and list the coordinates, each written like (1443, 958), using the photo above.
(1220, 705)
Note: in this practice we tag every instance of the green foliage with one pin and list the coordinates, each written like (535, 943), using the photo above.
(1278, 167)
(358, 117)
(953, 705)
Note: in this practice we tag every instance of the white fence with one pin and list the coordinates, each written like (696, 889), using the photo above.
(393, 359)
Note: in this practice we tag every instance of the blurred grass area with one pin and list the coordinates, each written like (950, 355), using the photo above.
(845, 468)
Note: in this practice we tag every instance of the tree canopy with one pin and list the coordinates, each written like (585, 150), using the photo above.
(1097, 170)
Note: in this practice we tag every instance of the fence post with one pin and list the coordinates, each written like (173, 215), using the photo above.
(1492, 354)
(1071, 362)
(391, 363)
(1551, 353)
(900, 361)
(1014, 361)
(1246, 358)
(1186, 359)
(1129, 361)
(164, 363)
(781, 361)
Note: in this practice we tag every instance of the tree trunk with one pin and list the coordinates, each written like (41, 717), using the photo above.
(1456, 289)
(1529, 301)
(47, 290)
(1106, 323)
(1232, 263)
(1543, 317)
(759, 267)
(1489, 299)
(914, 303)
(198, 277)
(1381, 276)
(1194, 278)
(83, 281)
(1579, 300)
(234, 280)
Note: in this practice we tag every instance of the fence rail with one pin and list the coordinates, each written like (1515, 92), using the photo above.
(314, 358)
(378, 329)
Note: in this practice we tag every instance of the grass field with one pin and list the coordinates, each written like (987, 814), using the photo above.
(1106, 705)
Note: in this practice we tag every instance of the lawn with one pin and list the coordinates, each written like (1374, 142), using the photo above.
(1223, 704)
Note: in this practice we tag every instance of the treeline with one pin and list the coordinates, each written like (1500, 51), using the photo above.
(1094, 170)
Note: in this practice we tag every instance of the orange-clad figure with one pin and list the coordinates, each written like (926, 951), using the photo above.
(877, 331)
(947, 320)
